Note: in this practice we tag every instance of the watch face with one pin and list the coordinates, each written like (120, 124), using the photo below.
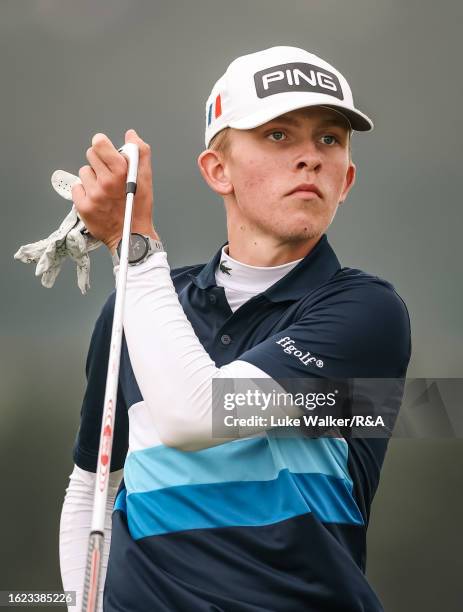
(138, 248)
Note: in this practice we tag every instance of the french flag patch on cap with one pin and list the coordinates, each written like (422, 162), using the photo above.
(217, 104)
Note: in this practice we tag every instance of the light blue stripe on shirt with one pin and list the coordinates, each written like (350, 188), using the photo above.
(251, 459)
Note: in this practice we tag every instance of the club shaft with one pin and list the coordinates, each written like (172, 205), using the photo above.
(107, 424)
(96, 539)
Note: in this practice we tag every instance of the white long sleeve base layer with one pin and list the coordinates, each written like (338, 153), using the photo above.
(172, 367)
(244, 282)
(75, 524)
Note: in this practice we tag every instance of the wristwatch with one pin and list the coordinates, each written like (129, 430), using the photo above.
(140, 248)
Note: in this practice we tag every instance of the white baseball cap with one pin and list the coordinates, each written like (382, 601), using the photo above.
(261, 86)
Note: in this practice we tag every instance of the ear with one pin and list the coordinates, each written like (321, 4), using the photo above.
(212, 166)
(349, 181)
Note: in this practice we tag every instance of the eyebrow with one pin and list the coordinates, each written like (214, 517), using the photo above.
(323, 122)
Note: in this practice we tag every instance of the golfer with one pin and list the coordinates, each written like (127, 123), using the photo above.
(256, 521)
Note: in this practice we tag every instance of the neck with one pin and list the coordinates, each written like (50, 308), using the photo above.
(253, 246)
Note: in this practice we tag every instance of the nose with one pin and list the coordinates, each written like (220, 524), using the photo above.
(308, 157)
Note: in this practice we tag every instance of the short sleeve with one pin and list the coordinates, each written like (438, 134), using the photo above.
(86, 446)
(358, 332)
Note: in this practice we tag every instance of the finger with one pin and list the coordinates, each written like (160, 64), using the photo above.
(101, 170)
(78, 193)
(49, 277)
(88, 177)
(108, 154)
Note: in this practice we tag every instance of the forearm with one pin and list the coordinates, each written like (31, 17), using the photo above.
(172, 368)
(75, 524)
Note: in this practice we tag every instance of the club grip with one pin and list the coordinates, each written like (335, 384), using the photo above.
(92, 571)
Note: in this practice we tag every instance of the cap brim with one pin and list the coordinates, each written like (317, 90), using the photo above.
(358, 120)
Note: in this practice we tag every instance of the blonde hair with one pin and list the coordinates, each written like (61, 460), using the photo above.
(221, 142)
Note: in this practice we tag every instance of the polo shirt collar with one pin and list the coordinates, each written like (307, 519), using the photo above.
(312, 271)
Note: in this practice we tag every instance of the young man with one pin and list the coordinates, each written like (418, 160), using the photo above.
(262, 522)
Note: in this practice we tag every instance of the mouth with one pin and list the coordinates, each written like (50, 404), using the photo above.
(307, 190)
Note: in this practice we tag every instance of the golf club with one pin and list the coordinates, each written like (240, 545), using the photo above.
(96, 539)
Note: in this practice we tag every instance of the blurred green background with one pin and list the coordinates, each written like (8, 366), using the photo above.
(71, 69)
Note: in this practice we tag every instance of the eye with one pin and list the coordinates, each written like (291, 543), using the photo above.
(279, 135)
(329, 136)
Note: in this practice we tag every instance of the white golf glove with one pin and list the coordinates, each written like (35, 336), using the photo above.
(70, 239)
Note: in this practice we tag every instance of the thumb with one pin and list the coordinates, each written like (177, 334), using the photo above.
(132, 136)
(143, 147)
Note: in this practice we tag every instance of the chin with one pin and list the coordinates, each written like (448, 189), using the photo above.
(300, 233)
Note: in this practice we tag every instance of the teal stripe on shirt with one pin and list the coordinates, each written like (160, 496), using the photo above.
(240, 504)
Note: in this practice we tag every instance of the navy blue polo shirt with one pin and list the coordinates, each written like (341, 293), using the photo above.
(264, 523)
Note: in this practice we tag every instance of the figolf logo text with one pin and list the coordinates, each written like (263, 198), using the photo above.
(307, 359)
